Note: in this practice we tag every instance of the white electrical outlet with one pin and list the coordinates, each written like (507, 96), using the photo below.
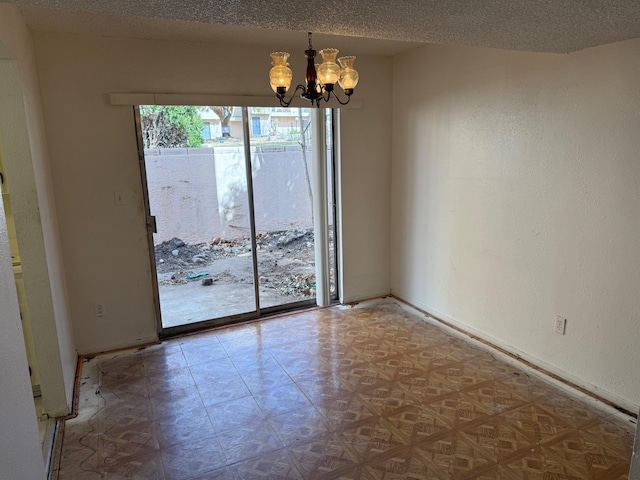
(100, 310)
(561, 325)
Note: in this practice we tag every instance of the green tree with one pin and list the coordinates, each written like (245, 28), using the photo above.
(171, 126)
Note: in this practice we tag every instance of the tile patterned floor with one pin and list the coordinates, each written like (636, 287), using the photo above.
(364, 393)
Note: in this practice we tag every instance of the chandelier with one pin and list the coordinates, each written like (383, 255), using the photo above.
(320, 79)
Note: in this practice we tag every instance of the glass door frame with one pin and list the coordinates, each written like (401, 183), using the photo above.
(165, 332)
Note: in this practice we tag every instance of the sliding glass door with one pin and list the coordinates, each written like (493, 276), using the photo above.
(230, 210)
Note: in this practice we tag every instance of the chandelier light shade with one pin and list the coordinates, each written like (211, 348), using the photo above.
(328, 71)
(348, 78)
(320, 79)
(280, 74)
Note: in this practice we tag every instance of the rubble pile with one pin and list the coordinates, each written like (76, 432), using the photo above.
(178, 262)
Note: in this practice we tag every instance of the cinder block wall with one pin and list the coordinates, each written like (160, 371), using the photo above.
(198, 194)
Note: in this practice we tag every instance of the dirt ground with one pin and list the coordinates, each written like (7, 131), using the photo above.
(285, 263)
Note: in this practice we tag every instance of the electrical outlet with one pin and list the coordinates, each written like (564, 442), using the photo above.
(561, 324)
(119, 198)
(100, 310)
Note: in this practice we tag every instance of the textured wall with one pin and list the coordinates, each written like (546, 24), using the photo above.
(516, 182)
(26, 162)
(16, 398)
(19, 440)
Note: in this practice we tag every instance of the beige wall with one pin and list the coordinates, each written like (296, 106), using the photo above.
(16, 399)
(516, 182)
(24, 153)
(25, 159)
(365, 179)
(105, 247)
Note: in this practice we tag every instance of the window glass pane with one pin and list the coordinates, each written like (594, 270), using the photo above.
(281, 162)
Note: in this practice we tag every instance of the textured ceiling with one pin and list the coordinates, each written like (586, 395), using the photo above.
(45, 19)
(534, 25)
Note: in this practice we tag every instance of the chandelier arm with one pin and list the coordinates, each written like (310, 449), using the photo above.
(335, 95)
(283, 102)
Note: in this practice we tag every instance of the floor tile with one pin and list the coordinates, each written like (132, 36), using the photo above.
(79, 462)
(494, 397)
(320, 390)
(537, 423)
(613, 432)
(458, 411)
(220, 474)
(237, 413)
(272, 465)
(260, 381)
(219, 370)
(299, 425)
(399, 367)
(122, 366)
(323, 457)
(385, 397)
(338, 393)
(454, 455)
(541, 464)
(416, 423)
(424, 388)
(175, 380)
(132, 439)
(285, 348)
(343, 412)
(406, 465)
(361, 377)
(193, 459)
(498, 440)
(204, 353)
(402, 465)
(81, 435)
(462, 376)
(131, 388)
(214, 393)
(198, 340)
(176, 402)
(179, 429)
(302, 364)
(280, 399)
(159, 363)
(140, 467)
(245, 348)
(372, 438)
(577, 451)
(248, 441)
(530, 385)
(238, 334)
(374, 349)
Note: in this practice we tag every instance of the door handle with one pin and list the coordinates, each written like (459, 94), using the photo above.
(152, 227)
